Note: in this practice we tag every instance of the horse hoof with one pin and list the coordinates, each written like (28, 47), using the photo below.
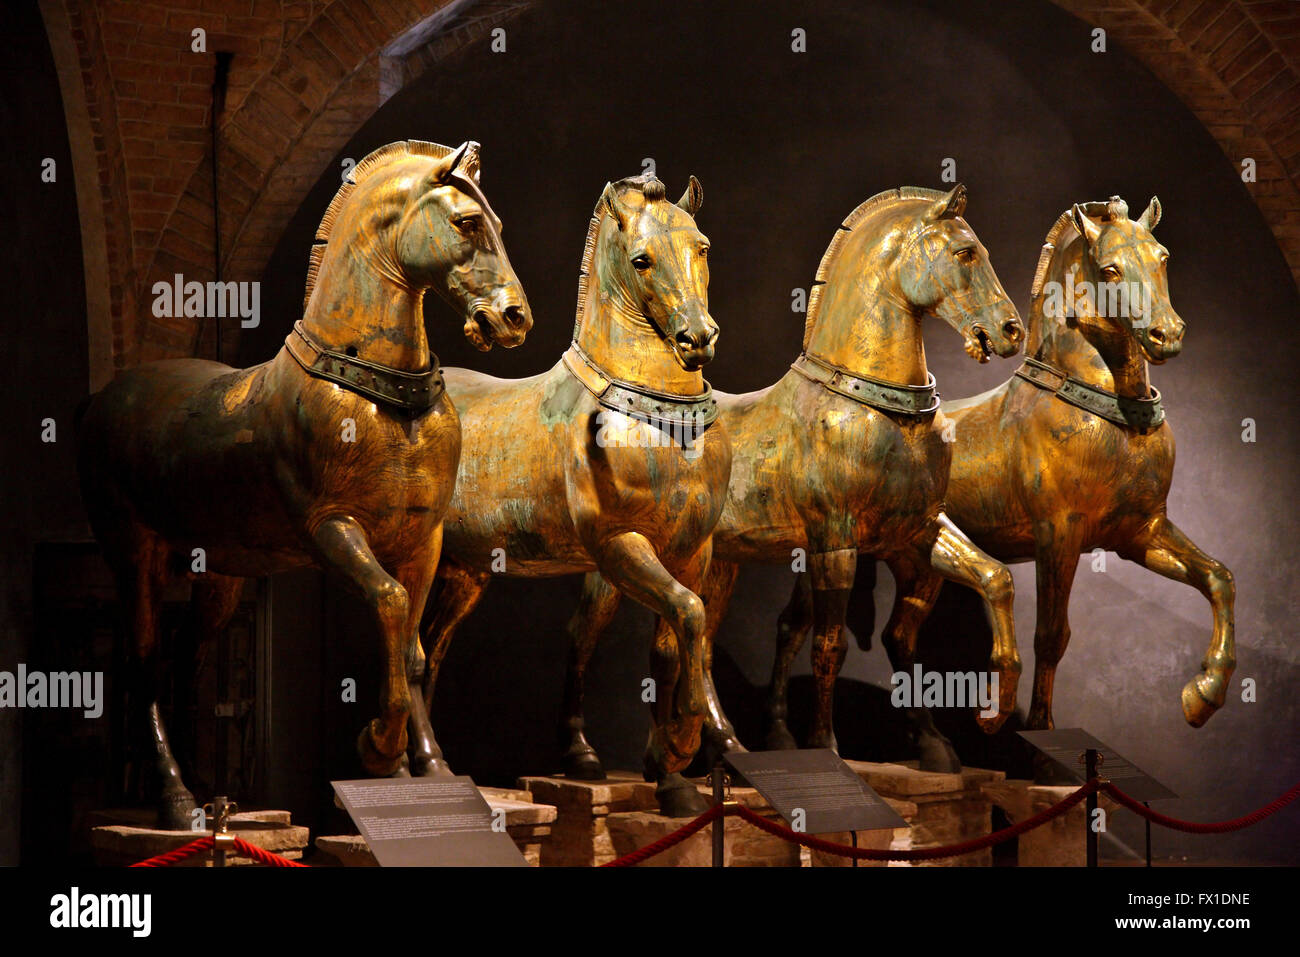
(939, 756)
(376, 763)
(779, 738)
(1198, 706)
(682, 800)
(176, 810)
(424, 767)
(994, 724)
(582, 766)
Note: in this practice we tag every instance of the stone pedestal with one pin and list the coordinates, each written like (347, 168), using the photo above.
(1062, 841)
(528, 824)
(580, 834)
(949, 808)
(743, 845)
(123, 837)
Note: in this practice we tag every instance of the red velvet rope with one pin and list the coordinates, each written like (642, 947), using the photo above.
(1192, 827)
(668, 840)
(241, 846)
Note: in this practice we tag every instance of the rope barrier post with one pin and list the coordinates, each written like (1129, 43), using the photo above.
(854, 835)
(719, 825)
(1147, 805)
(222, 840)
(1090, 763)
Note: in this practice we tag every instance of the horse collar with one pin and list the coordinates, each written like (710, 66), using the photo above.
(1123, 410)
(658, 408)
(410, 392)
(877, 393)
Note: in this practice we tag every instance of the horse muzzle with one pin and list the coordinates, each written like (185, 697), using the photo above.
(1162, 339)
(693, 345)
(504, 321)
(1000, 335)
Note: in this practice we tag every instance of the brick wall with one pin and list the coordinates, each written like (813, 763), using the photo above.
(307, 73)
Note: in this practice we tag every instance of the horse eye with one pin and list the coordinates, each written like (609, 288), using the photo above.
(641, 262)
(467, 224)
(1111, 273)
(966, 256)
(704, 252)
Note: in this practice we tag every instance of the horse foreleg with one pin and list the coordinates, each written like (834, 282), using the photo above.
(719, 583)
(1163, 548)
(832, 581)
(416, 576)
(595, 611)
(629, 562)
(956, 558)
(791, 630)
(916, 587)
(342, 547)
(460, 590)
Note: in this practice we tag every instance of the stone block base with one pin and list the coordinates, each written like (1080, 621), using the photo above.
(1062, 841)
(121, 838)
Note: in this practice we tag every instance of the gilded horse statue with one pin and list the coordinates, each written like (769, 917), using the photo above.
(340, 452)
(1073, 453)
(845, 455)
(611, 460)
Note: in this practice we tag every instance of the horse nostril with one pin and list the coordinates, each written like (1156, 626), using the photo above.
(1011, 329)
(1157, 336)
(515, 316)
(481, 317)
(685, 340)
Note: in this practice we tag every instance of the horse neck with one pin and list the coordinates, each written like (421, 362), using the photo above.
(625, 345)
(865, 325)
(370, 308)
(1122, 370)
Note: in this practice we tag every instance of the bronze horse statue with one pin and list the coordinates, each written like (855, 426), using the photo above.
(339, 452)
(610, 460)
(1073, 453)
(845, 455)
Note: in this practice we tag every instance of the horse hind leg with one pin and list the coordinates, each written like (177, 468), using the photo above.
(595, 611)
(792, 629)
(916, 588)
(719, 733)
(1166, 550)
(142, 574)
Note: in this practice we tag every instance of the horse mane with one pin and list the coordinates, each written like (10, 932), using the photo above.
(833, 251)
(368, 164)
(647, 184)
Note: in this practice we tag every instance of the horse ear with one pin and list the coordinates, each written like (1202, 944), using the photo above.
(614, 205)
(693, 198)
(948, 206)
(1151, 215)
(448, 164)
(1086, 227)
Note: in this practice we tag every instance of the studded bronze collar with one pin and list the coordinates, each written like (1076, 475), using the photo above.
(877, 393)
(1123, 410)
(664, 408)
(409, 392)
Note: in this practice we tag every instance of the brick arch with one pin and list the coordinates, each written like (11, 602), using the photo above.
(1236, 65)
(308, 73)
(305, 75)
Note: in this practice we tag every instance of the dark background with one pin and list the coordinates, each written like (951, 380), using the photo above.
(786, 145)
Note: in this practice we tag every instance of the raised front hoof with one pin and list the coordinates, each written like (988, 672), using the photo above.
(937, 754)
(779, 738)
(376, 763)
(582, 765)
(677, 797)
(1202, 696)
(176, 810)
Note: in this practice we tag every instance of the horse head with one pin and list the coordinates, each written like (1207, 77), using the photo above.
(943, 269)
(1123, 286)
(653, 264)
